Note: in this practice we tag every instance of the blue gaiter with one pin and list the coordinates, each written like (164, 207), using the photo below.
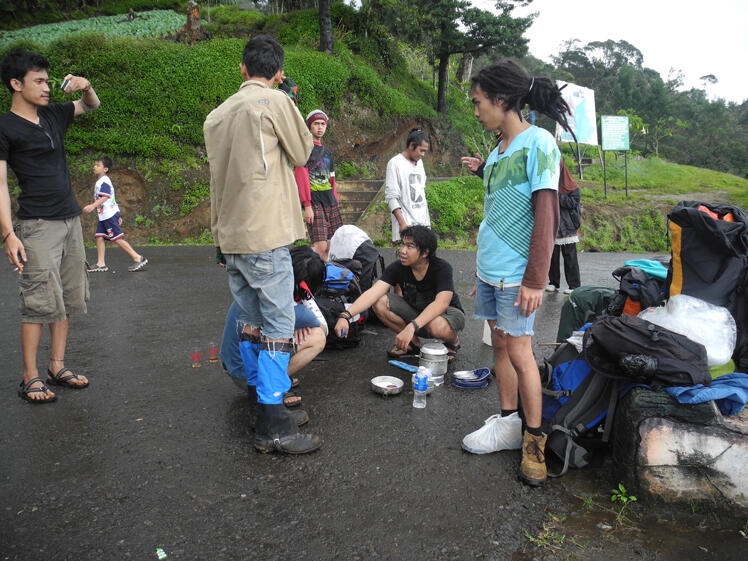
(272, 372)
(249, 347)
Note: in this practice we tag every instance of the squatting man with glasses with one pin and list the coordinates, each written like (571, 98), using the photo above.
(429, 305)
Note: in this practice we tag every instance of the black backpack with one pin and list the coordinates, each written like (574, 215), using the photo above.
(581, 390)
(584, 304)
(575, 404)
(340, 282)
(351, 247)
(634, 350)
(710, 261)
(634, 285)
(331, 307)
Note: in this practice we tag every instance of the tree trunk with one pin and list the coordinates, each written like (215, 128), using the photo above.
(441, 96)
(466, 67)
(325, 27)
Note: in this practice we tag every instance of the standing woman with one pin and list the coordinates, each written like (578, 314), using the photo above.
(569, 202)
(515, 243)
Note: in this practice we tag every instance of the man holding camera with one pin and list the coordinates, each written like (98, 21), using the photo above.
(46, 245)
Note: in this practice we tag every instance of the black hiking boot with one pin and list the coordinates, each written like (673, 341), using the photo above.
(299, 416)
(276, 431)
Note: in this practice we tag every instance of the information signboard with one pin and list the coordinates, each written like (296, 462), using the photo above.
(615, 132)
(582, 121)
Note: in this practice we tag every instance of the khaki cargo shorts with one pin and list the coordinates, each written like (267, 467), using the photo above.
(54, 282)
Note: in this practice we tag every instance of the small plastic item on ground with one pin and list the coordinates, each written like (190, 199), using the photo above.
(497, 433)
(430, 384)
(479, 379)
(404, 366)
(471, 374)
(386, 385)
(420, 387)
(160, 553)
(702, 322)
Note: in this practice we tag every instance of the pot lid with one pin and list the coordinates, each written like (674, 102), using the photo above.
(433, 349)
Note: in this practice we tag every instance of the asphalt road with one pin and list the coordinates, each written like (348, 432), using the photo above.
(156, 454)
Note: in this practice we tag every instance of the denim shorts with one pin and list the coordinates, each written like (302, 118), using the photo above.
(493, 303)
(262, 286)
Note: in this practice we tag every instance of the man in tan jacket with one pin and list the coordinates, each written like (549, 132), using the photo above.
(254, 139)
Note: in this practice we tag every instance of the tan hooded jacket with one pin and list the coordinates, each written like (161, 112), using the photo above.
(254, 139)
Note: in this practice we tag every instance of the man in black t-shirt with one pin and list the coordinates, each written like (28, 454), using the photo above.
(428, 307)
(46, 244)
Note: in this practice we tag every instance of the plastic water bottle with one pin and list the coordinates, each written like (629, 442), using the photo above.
(420, 385)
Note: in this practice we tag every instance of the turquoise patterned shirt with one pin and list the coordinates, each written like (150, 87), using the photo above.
(530, 163)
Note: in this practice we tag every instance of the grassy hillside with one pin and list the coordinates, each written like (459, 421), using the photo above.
(636, 222)
(156, 93)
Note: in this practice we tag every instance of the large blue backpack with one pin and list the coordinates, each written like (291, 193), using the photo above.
(575, 403)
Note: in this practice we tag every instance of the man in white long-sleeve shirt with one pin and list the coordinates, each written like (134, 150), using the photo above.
(405, 185)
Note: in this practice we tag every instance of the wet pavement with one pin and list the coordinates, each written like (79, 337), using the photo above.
(156, 454)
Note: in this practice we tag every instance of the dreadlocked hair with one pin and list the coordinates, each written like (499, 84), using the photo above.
(507, 81)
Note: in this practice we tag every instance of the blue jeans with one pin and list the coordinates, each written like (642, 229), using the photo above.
(262, 286)
(230, 354)
(493, 303)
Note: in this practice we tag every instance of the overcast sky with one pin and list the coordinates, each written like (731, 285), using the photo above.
(695, 37)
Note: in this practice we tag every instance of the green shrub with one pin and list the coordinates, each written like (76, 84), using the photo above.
(234, 15)
(321, 78)
(194, 195)
(455, 205)
(295, 28)
(645, 232)
(232, 21)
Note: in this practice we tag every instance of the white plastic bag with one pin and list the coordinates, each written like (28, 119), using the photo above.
(712, 326)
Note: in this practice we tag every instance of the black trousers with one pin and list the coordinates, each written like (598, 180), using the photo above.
(571, 266)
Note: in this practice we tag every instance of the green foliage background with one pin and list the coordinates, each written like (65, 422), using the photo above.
(156, 94)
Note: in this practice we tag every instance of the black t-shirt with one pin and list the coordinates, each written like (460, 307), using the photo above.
(420, 294)
(36, 153)
(321, 169)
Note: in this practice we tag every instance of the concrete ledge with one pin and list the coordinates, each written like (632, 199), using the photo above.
(681, 453)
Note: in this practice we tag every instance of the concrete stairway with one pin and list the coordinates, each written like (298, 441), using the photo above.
(356, 195)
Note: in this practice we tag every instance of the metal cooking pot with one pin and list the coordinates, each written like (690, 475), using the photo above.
(434, 356)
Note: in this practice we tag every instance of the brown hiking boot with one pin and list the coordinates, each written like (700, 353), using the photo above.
(532, 470)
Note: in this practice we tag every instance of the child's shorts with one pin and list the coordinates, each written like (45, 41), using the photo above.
(109, 228)
(493, 303)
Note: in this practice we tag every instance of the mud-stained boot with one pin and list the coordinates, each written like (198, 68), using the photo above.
(299, 416)
(532, 470)
(276, 431)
